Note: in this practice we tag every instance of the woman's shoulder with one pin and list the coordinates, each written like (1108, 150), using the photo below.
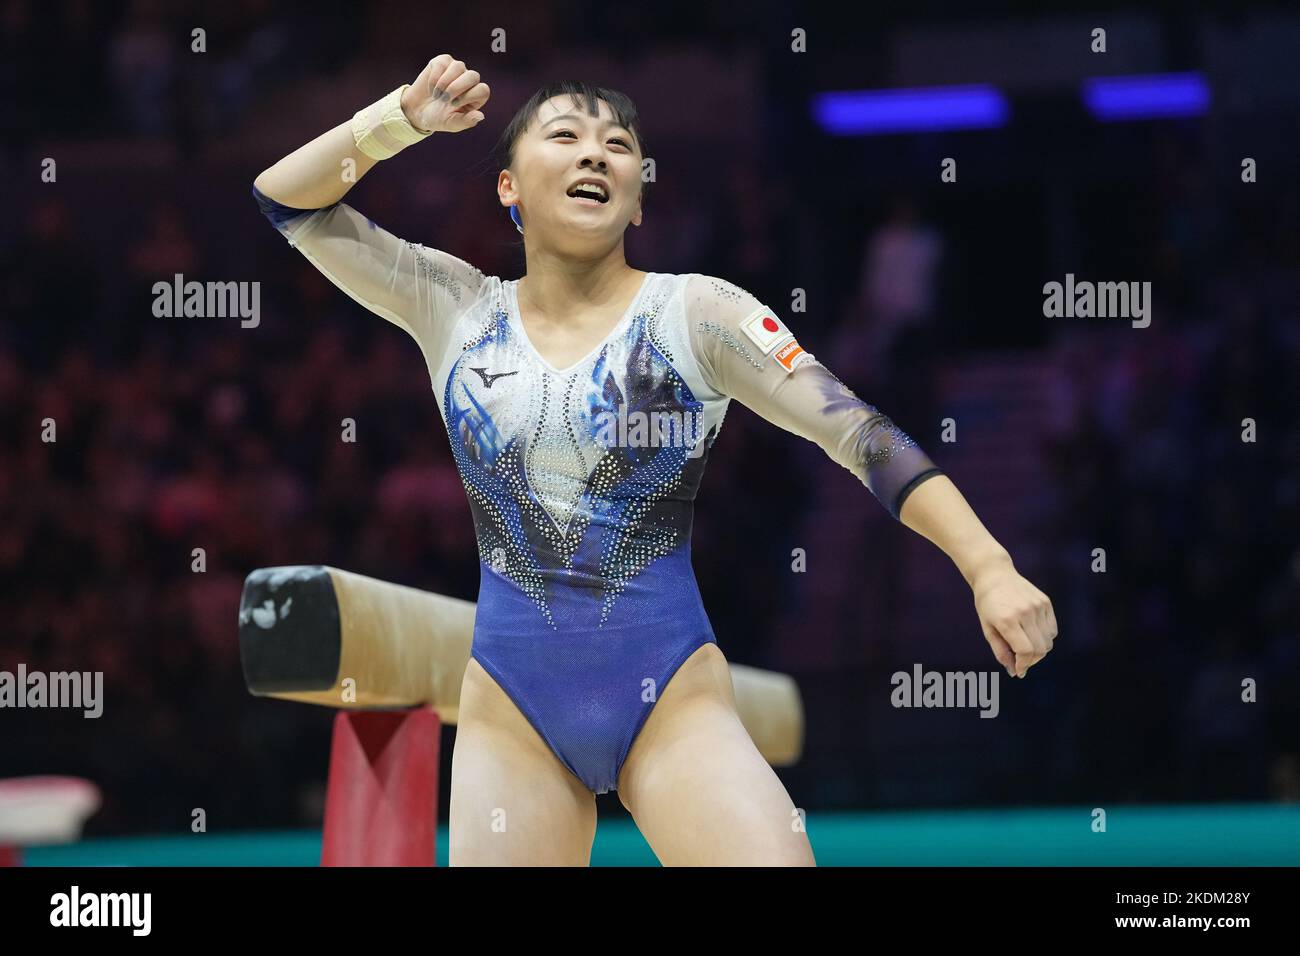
(710, 295)
(463, 279)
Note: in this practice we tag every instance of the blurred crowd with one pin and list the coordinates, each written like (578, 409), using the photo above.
(149, 465)
(184, 70)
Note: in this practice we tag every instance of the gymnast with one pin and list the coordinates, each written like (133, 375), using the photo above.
(594, 666)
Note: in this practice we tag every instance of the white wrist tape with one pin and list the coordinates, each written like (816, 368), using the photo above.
(382, 130)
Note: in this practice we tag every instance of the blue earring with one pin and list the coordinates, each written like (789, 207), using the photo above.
(514, 214)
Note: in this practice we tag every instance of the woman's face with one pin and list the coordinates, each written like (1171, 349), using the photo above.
(561, 146)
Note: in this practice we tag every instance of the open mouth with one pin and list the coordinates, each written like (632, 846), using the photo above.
(591, 193)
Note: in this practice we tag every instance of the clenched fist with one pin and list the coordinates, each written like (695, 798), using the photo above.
(1017, 618)
(445, 97)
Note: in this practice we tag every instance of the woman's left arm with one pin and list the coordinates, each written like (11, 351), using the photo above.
(1016, 617)
(744, 351)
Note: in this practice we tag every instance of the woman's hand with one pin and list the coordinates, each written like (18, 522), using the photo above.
(445, 97)
(1017, 618)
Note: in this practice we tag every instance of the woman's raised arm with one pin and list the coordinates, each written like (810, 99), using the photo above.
(413, 286)
(445, 97)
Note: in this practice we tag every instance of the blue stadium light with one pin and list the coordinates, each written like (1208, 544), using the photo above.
(1156, 96)
(873, 112)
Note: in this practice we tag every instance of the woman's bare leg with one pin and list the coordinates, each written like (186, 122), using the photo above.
(512, 802)
(696, 785)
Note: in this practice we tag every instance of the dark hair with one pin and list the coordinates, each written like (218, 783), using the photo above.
(620, 104)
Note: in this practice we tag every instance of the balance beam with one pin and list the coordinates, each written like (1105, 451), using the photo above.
(322, 635)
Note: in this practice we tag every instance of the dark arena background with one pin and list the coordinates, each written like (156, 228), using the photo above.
(901, 183)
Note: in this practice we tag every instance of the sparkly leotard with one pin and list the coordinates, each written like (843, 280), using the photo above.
(582, 480)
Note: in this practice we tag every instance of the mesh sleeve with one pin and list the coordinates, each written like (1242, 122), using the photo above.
(414, 287)
(747, 353)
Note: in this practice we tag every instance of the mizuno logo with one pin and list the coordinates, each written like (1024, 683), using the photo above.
(489, 377)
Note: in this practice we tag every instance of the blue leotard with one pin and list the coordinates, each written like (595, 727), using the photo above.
(582, 480)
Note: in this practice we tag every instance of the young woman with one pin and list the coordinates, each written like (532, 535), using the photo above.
(594, 666)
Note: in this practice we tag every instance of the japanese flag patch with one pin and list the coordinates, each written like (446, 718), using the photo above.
(767, 332)
(764, 329)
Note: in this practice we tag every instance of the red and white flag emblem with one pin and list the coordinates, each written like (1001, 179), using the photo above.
(764, 329)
